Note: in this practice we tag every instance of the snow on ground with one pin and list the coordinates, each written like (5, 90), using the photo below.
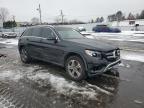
(9, 41)
(133, 56)
(63, 86)
(10, 75)
(136, 36)
(137, 40)
(124, 65)
(58, 83)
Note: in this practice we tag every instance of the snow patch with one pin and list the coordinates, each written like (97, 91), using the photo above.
(138, 101)
(90, 37)
(100, 89)
(137, 40)
(124, 65)
(63, 86)
(121, 64)
(123, 36)
(110, 88)
(10, 41)
(133, 57)
(10, 75)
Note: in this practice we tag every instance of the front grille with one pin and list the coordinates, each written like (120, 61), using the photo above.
(112, 55)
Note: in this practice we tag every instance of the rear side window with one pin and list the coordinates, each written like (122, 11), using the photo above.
(47, 33)
(27, 32)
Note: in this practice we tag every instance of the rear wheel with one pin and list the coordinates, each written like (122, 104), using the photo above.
(75, 68)
(25, 58)
(3, 36)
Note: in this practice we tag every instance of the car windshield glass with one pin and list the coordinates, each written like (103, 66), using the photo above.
(68, 33)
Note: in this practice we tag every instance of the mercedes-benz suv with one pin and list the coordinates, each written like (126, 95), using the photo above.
(81, 57)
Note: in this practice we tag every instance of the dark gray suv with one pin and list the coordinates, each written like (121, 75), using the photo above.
(81, 57)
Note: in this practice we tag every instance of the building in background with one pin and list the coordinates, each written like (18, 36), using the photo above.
(137, 24)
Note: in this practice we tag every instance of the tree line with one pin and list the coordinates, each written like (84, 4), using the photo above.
(4, 13)
(9, 24)
(119, 16)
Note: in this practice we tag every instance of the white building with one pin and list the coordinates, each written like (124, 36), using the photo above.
(129, 24)
(140, 22)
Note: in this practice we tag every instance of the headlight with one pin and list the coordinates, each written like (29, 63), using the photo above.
(93, 53)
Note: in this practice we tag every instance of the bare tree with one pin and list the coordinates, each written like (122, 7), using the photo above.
(4, 14)
(119, 15)
(131, 16)
(101, 19)
(137, 16)
(142, 15)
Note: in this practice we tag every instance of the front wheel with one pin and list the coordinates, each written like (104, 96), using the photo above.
(75, 68)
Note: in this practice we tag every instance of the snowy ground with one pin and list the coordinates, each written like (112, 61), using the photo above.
(9, 41)
(134, 36)
(49, 83)
(42, 85)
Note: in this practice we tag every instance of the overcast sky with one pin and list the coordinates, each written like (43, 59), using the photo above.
(25, 10)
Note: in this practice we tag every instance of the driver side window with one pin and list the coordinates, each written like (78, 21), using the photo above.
(47, 33)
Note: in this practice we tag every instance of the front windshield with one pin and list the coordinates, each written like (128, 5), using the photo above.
(69, 33)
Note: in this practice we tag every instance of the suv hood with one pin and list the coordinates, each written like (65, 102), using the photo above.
(93, 44)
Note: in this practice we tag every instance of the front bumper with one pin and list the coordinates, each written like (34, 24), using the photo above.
(101, 68)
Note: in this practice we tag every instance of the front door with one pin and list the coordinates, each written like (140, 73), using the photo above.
(52, 50)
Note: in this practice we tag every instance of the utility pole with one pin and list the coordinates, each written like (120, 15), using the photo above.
(62, 16)
(39, 10)
(13, 18)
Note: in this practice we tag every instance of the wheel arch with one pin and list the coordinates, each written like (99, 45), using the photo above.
(75, 54)
(20, 46)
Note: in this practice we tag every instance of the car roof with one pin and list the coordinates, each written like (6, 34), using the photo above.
(41, 26)
(51, 26)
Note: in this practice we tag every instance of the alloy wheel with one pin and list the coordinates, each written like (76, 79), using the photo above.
(74, 68)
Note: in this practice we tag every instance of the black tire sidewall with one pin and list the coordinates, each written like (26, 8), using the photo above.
(83, 73)
(28, 59)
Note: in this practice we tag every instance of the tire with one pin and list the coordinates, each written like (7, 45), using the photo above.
(2, 35)
(25, 58)
(75, 68)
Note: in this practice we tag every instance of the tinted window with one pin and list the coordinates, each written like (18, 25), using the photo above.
(69, 33)
(27, 32)
(47, 33)
(36, 32)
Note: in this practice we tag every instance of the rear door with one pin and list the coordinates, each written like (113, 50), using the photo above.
(34, 40)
